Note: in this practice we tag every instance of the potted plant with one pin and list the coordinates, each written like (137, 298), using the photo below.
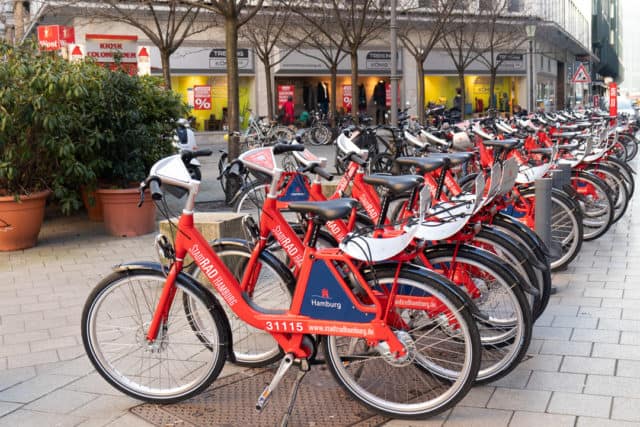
(134, 117)
(41, 98)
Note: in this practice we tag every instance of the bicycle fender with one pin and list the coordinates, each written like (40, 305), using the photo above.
(526, 287)
(438, 278)
(535, 262)
(213, 301)
(530, 234)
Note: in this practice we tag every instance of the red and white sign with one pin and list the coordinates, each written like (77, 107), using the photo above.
(202, 97)
(105, 47)
(54, 37)
(387, 87)
(581, 75)
(76, 52)
(613, 99)
(284, 92)
(144, 61)
(596, 101)
(347, 98)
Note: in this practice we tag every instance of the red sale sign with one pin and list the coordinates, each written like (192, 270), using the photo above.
(202, 97)
(613, 99)
(347, 98)
(387, 87)
(284, 92)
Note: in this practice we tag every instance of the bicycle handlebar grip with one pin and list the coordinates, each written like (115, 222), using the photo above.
(323, 173)
(285, 148)
(357, 159)
(154, 187)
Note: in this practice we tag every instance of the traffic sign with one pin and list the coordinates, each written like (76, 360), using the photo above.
(581, 75)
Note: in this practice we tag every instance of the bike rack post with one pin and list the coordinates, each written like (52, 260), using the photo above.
(543, 188)
(561, 176)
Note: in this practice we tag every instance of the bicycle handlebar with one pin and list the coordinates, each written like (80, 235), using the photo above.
(285, 148)
(187, 156)
(315, 168)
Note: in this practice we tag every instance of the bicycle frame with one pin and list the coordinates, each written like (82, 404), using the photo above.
(322, 304)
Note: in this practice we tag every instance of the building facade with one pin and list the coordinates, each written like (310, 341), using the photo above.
(563, 38)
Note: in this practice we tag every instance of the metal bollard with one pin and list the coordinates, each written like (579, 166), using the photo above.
(561, 176)
(543, 209)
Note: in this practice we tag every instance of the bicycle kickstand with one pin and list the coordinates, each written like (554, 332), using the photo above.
(304, 368)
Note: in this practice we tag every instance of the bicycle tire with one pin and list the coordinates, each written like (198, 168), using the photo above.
(372, 380)
(626, 172)
(250, 199)
(516, 257)
(566, 227)
(630, 145)
(382, 163)
(614, 179)
(504, 336)
(131, 295)
(278, 133)
(319, 135)
(253, 347)
(597, 209)
(527, 237)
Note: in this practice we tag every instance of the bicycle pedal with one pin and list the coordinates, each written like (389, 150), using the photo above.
(285, 364)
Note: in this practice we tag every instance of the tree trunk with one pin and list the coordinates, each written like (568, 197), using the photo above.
(463, 100)
(18, 16)
(233, 111)
(166, 67)
(354, 86)
(492, 86)
(334, 89)
(420, 88)
(270, 99)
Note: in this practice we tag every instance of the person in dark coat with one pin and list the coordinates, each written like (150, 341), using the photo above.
(380, 99)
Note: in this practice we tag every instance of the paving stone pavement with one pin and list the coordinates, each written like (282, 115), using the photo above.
(583, 367)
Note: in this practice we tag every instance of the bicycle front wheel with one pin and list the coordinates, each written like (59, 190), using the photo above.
(443, 352)
(180, 363)
(594, 197)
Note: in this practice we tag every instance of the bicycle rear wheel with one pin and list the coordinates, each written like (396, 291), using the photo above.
(273, 289)
(180, 363)
(443, 352)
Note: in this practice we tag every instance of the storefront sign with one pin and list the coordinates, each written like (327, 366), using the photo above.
(106, 47)
(613, 99)
(347, 98)
(284, 92)
(311, 61)
(202, 97)
(510, 57)
(218, 58)
(54, 37)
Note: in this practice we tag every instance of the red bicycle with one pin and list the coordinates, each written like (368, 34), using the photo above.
(156, 334)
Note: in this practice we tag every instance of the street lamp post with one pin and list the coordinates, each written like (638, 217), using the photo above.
(530, 29)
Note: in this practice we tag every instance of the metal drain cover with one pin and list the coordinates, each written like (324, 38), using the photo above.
(231, 401)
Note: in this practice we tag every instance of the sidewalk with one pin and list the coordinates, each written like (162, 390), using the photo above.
(583, 369)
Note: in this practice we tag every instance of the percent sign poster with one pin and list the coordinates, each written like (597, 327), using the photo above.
(202, 97)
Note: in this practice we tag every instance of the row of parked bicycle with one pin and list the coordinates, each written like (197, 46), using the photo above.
(419, 275)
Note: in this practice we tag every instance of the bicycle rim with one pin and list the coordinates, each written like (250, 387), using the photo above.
(442, 363)
(181, 362)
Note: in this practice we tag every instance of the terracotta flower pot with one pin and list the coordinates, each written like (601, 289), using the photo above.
(122, 217)
(93, 205)
(20, 222)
